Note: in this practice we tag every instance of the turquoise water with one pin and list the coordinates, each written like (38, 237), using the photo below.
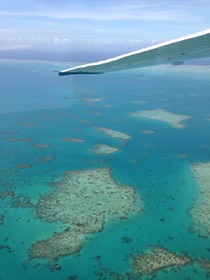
(38, 107)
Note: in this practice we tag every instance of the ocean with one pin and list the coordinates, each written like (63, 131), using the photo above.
(91, 191)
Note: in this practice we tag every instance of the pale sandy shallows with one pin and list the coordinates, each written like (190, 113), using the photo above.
(104, 149)
(113, 133)
(200, 211)
(84, 201)
(162, 115)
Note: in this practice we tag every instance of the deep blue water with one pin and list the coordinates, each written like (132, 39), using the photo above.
(39, 107)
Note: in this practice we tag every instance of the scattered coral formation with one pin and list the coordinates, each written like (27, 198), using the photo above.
(21, 201)
(200, 211)
(126, 239)
(113, 133)
(28, 124)
(147, 131)
(206, 265)
(157, 259)
(50, 119)
(90, 101)
(85, 201)
(104, 149)
(24, 165)
(15, 139)
(181, 156)
(6, 194)
(12, 139)
(73, 140)
(104, 274)
(1, 218)
(48, 158)
(16, 200)
(162, 115)
(139, 101)
(41, 146)
(96, 114)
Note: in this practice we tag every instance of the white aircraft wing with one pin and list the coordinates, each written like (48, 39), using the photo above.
(174, 52)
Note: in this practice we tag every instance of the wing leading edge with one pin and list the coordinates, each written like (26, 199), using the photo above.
(174, 52)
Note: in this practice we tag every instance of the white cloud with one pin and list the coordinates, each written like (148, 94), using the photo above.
(145, 12)
(14, 47)
(97, 23)
(56, 40)
(66, 40)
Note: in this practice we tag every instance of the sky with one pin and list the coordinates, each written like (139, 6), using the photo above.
(98, 26)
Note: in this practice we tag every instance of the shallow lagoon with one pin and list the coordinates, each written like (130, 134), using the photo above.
(40, 109)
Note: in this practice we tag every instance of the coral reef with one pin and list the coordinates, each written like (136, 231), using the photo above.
(162, 115)
(91, 101)
(104, 149)
(60, 244)
(157, 259)
(85, 201)
(200, 210)
(48, 158)
(28, 124)
(41, 146)
(72, 140)
(24, 165)
(148, 131)
(113, 133)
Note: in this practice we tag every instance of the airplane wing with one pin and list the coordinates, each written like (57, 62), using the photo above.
(174, 52)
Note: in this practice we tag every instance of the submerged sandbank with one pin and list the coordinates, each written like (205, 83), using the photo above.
(200, 211)
(84, 201)
(113, 133)
(162, 115)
